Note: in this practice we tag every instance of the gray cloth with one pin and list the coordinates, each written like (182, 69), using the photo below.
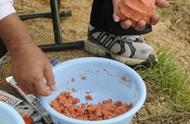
(3, 54)
(2, 61)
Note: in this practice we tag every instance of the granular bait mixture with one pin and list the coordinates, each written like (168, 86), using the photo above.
(136, 10)
(88, 97)
(68, 105)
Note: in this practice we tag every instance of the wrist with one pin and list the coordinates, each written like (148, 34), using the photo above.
(21, 47)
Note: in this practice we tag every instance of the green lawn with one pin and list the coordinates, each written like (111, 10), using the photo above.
(169, 80)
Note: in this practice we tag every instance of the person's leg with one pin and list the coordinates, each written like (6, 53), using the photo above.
(3, 52)
(108, 37)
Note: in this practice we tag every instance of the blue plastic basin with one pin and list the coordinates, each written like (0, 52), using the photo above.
(8, 115)
(104, 79)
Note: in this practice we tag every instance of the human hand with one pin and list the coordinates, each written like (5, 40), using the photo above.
(140, 25)
(32, 70)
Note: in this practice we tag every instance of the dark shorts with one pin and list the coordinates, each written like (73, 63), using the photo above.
(101, 18)
(3, 49)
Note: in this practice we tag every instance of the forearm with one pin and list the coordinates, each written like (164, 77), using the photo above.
(13, 33)
(29, 65)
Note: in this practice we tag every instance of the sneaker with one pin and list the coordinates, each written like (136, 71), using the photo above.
(129, 49)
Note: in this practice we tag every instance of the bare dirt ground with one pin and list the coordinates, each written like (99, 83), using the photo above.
(174, 38)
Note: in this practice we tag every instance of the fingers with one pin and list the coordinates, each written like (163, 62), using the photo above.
(140, 25)
(162, 3)
(154, 19)
(26, 87)
(50, 78)
(126, 24)
(40, 87)
(115, 16)
(37, 85)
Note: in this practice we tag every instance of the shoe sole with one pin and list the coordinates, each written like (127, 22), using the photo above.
(103, 52)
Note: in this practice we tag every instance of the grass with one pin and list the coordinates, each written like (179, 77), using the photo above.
(175, 11)
(169, 79)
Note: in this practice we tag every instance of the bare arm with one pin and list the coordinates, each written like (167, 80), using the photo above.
(30, 66)
(14, 34)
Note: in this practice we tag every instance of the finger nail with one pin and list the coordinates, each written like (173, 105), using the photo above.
(47, 88)
(116, 19)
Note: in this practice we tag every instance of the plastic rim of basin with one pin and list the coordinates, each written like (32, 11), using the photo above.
(128, 114)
